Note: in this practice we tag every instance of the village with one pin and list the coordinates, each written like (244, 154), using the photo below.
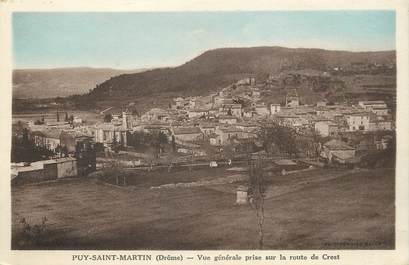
(223, 126)
(230, 148)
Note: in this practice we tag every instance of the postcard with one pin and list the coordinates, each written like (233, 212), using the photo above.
(168, 132)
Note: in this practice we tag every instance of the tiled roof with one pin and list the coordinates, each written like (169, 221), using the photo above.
(186, 130)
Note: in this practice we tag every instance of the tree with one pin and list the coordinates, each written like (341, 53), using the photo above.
(115, 143)
(173, 143)
(316, 140)
(66, 117)
(256, 191)
(58, 116)
(275, 136)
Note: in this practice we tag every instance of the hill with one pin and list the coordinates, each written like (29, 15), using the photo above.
(218, 68)
(60, 82)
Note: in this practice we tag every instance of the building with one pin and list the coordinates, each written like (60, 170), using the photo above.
(187, 133)
(225, 134)
(380, 111)
(261, 110)
(197, 113)
(108, 134)
(48, 139)
(236, 110)
(155, 114)
(274, 108)
(255, 93)
(76, 121)
(127, 122)
(326, 128)
(292, 99)
(339, 151)
(70, 139)
(379, 123)
(44, 170)
(369, 105)
(179, 103)
(358, 122)
(226, 119)
(207, 129)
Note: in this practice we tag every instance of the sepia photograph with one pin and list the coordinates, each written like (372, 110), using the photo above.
(207, 130)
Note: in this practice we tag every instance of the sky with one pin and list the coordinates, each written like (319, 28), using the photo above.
(155, 39)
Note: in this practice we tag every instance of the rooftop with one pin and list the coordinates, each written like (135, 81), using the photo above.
(186, 130)
(338, 145)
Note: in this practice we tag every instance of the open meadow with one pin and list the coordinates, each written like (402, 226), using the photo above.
(316, 209)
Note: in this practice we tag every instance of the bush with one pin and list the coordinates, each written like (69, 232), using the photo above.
(33, 235)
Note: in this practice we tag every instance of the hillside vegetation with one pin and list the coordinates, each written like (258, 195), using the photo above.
(218, 68)
(215, 69)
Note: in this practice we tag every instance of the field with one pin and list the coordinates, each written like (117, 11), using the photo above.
(316, 209)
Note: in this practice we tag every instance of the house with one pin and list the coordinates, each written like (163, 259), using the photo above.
(214, 139)
(379, 123)
(255, 93)
(52, 139)
(155, 114)
(380, 111)
(248, 112)
(187, 133)
(226, 119)
(225, 134)
(369, 105)
(44, 170)
(108, 134)
(49, 139)
(207, 129)
(179, 103)
(326, 128)
(231, 109)
(247, 81)
(261, 110)
(358, 122)
(77, 121)
(127, 121)
(70, 139)
(197, 113)
(336, 150)
(274, 108)
(292, 99)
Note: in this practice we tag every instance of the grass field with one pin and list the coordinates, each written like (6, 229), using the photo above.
(318, 209)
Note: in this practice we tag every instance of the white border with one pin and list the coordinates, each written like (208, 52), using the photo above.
(397, 256)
